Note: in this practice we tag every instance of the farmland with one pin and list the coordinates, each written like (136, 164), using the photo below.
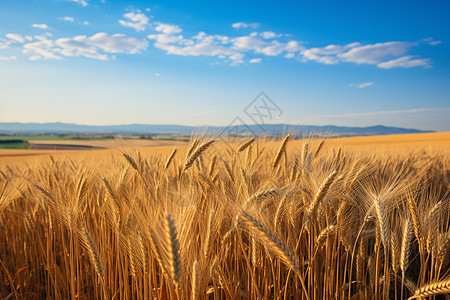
(359, 218)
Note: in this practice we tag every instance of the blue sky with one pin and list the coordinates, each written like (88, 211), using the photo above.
(348, 63)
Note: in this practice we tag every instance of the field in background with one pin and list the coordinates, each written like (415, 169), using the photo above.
(350, 218)
(404, 142)
(438, 140)
(109, 143)
(83, 142)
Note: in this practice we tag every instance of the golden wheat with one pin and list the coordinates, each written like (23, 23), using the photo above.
(319, 221)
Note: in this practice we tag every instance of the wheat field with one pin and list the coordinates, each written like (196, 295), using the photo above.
(228, 219)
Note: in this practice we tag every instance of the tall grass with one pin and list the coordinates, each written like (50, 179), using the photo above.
(253, 220)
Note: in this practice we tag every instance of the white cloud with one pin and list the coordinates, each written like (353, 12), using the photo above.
(231, 49)
(82, 2)
(200, 45)
(97, 46)
(85, 23)
(167, 28)
(326, 55)
(375, 53)
(431, 41)
(40, 26)
(385, 55)
(41, 37)
(255, 60)
(258, 45)
(3, 45)
(248, 43)
(7, 58)
(157, 74)
(15, 37)
(66, 18)
(117, 43)
(43, 49)
(361, 85)
(407, 61)
(289, 55)
(234, 49)
(269, 35)
(434, 43)
(293, 46)
(273, 49)
(239, 25)
(138, 21)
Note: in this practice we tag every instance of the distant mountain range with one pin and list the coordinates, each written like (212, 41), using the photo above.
(141, 129)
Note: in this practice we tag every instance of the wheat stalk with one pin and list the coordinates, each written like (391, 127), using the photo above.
(276, 245)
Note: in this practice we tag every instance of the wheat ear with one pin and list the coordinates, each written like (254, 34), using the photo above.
(304, 153)
(94, 255)
(281, 150)
(195, 154)
(172, 247)
(131, 161)
(383, 222)
(195, 280)
(405, 247)
(246, 144)
(278, 211)
(192, 147)
(431, 289)
(277, 246)
(212, 166)
(322, 237)
(322, 191)
(319, 148)
(443, 249)
(417, 225)
(261, 196)
(170, 158)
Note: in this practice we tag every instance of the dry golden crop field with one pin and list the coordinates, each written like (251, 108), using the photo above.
(350, 218)
(396, 142)
(107, 143)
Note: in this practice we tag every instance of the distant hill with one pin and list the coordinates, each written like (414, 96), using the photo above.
(141, 129)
